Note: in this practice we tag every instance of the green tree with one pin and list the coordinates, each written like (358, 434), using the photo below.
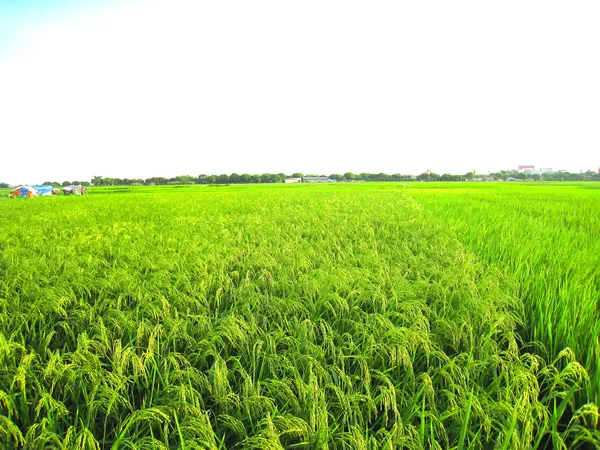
(270, 178)
(184, 179)
(235, 178)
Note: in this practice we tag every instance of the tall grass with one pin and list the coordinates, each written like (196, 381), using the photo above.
(282, 317)
(546, 237)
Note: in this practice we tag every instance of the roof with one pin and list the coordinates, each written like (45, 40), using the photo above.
(44, 189)
(315, 178)
(25, 190)
(526, 167)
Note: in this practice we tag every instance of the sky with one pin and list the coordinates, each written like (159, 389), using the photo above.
(142, 88)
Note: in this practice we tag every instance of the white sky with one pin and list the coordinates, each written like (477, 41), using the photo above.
(175, 87)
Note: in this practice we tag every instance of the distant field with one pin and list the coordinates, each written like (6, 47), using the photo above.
(372, 315)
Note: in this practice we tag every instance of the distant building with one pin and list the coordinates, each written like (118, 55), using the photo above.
(317, 180)
(531, 170)
(293, 180)
(526, 169)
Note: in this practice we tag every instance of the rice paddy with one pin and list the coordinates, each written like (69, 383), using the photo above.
(351, 316)
(547, 237)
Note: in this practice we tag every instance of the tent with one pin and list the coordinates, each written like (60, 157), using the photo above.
(46, 190)
(75, 189)
(25, 191)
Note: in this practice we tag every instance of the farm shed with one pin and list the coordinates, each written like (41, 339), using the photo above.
(45, 190)
(75, 189)
(25, 191)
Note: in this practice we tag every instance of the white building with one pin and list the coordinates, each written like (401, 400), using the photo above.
(317, 180)
(526, 169)
(532, 171)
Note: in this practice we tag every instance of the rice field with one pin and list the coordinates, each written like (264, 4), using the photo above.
(366, 316)
(547, 238)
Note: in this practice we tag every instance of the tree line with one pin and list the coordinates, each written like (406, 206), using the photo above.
(551, 176)
(245, 178)
(509, 175)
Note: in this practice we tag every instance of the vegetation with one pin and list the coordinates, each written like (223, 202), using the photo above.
(66, 183)
(551, 176)
(547, 238)
(320, 316)
(234, 178)
(245, 178)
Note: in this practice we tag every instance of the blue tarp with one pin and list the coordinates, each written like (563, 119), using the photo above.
(24, 191)
(44, 189)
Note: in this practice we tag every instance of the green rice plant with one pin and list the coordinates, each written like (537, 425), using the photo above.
(546, 238)
(296, 317)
